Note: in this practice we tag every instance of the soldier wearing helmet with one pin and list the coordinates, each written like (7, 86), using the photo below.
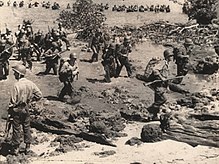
(26, 53)
(51, 60)
(4, 57)
(122, 55)
(63, 35)
(96, 43)
(68, 72)
(23, 92)
(161, 74)
(109, 62)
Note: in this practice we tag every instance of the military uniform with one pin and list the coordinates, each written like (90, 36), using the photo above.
(23, 92)
(63, 36)
(25, 50)
(68, 72)
(95, 46)
(4, 63)
(52, 60)
(122, 55)
(109, 62)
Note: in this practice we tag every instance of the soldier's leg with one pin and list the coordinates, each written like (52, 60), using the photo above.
(26, 127)
(107, 75)
(48, 68)
(119, 67)
(159, 99)
(128, 67)
(55, 68)
(1, 71)
(69, 89)
(16, 134)
(63, 91)
(5, 70)
(23, 57)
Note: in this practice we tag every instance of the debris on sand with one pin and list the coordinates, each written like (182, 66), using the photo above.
(105, 153)
(134, 141)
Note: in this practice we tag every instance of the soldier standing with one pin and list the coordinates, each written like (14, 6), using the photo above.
(109, 62)
(4, 63)
(122, 54)
(24, 91)
(25, 50)
(63, 36)
(52, 60)
(95, 46)
(68, 72)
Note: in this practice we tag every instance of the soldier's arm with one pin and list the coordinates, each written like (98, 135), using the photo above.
(37, 94)
(14, 97)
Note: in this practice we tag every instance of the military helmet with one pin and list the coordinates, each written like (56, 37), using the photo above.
(188, 41)
(21, 69)
(127, 40)
(73, 56)
(167, 53)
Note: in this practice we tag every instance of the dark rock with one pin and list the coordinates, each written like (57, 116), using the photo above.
(151, 133)
(133, 141)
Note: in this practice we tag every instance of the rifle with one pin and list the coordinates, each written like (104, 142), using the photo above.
(7, 50)
(155, 81)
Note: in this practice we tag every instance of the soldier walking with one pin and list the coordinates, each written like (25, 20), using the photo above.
(68, 72)
(52, 60)
(96, 45)
(122, 55)
(109, 62)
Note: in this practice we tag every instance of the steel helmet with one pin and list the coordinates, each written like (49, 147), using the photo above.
(167, 53)
(188, 41)
(127, 40)
(73, 56)
(21, 69)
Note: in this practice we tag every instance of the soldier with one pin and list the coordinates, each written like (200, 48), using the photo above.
(38, 42)
(96, 45)
(25, 50)
(161, 74)
(52, 60)
(63, 36)
(68, 72)
(56, 41)
(109, 62)
(23, 92)
(122, 54)
(190, 47)
(4, 57)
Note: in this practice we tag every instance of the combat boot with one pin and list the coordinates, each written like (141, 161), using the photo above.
(27, 149)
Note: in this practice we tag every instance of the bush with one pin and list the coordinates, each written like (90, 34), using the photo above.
(85, 17)
(202, 10)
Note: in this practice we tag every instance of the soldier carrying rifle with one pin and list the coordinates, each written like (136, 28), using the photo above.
(161, 75)
(68, 72)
